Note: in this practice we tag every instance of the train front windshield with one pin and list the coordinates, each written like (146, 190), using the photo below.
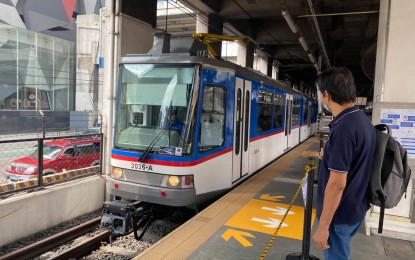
(156, 108)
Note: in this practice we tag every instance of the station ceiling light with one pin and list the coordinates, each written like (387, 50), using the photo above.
(290, 21)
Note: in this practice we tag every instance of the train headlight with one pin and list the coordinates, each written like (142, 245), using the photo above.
(173, 181)
(177, 182)
(117, 173)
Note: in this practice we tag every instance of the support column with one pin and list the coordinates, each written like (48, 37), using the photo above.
(269, 67)
(129, 28)
(201, 24)
(394, 99)
(245, 56)
(216, 26)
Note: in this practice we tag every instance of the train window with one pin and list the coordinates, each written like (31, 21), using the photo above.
(212, 122)
(247, 110)
(278, 110)
(264, 111)
(238, 121)
(296, 112)
(153, 98)
(305, 118)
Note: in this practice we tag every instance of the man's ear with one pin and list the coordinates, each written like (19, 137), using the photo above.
(326, 94)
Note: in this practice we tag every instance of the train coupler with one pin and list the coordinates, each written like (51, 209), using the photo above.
(121, 218)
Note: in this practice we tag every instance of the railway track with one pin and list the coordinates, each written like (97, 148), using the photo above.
(49, 243)
(85, 247)
(77, 243)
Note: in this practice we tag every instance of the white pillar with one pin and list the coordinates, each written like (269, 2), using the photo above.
(394, 98)
(109, 84)
(395, 53)
(201, 24)
(241, 55)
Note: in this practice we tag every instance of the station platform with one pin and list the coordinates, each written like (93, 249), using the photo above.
(240, 224)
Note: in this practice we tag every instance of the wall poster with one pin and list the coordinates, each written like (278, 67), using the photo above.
(402, 124)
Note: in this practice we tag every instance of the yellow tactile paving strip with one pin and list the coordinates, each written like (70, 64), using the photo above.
(182, 242)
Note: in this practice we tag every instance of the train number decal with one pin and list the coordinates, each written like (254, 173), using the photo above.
(141, 167)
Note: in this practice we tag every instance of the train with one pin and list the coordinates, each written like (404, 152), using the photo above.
(189, 128)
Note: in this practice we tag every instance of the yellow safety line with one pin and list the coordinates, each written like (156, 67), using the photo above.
(308, 168)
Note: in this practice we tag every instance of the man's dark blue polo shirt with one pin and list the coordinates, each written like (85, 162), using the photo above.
(349, 150)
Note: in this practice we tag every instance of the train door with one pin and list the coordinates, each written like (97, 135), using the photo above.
(240, 160)
(288, 123)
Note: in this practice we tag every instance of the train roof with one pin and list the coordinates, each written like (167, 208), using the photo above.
(190, 51)
(185, 58)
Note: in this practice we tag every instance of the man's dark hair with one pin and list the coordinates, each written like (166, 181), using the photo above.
(339, 83)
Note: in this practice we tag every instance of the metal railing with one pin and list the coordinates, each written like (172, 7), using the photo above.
(64, 158)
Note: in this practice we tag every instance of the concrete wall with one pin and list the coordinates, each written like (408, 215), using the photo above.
(24, 215)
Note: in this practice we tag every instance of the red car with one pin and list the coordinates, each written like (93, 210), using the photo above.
(58, 156)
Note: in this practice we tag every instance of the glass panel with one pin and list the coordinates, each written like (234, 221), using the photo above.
(45, 73)
(212, 122)
(8, 68)
(296, 112)
(35, 68)
(247, 110)
(154, 104)
(305, 118)
(278, 110)
(238, 121)
(264, 111)
(63, 77)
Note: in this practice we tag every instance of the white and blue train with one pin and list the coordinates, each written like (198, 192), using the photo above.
(232, 122)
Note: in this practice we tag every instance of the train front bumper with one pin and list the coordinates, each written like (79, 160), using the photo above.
(152, 194)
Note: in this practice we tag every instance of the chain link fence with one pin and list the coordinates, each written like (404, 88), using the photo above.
(67, 153)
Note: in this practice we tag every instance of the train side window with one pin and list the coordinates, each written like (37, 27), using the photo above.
(278, 110)
(305, 118)
(264, 111)
(212, 122)
(296, 112)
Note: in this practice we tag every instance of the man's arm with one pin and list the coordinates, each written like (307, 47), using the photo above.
(332, 196)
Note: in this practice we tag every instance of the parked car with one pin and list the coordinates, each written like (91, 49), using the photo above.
(93, 130)
(59, 155)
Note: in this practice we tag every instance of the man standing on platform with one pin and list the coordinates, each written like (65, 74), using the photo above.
(345, 170)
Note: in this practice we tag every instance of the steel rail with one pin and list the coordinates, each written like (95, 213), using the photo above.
(83, 248)
(45, 245)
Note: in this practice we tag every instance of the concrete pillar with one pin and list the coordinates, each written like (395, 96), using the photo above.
(245, 56)
(216, 26)
(269, 67)
(394, 95)
(129, 29)
(87, 53)
(395, 52)
(275, 70)
(201, 24)
(263, 64)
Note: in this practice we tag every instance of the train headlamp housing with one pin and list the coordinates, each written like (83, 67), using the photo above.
(117, 173)
(178, 182)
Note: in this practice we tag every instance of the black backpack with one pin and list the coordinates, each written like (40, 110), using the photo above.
(390, 172)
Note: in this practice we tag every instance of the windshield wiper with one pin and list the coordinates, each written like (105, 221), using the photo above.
(151, 145)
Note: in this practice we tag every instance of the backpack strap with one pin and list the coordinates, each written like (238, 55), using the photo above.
(382, 211)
